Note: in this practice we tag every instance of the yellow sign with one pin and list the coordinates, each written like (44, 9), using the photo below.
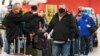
(50, 11)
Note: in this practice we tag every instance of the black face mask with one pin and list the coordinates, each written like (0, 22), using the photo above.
(61, 10)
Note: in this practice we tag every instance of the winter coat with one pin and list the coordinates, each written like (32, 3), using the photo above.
(32, 25)
(13, 24)
(83, 21)
(33, 22)
(64, 29)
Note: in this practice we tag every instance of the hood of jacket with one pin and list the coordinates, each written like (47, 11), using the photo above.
(84, 16)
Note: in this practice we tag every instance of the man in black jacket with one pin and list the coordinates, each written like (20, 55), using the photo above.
(32, 26)
(33, 23)
(63, 25)
(13, 23)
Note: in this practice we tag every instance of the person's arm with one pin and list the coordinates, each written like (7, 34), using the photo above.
(92, 23)
(16, 18)
(41, 19)
(27, 16)
(21, 17)
(51, 25)
(73, 27)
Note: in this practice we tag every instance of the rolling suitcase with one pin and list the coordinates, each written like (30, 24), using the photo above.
(19, 47)
(76, 47)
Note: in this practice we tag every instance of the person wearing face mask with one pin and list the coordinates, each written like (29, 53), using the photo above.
(64, 30)
(85, 23)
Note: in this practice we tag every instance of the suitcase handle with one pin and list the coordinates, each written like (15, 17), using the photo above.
(24, 44)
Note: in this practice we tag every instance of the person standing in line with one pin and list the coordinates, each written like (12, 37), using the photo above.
(84, 23)
(3, 12)
(13, 25)
(43, 29)
(32, 26)
(64, 31)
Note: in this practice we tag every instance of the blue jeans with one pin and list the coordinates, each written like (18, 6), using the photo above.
(6, 46)
(61, 49)
(5, 43)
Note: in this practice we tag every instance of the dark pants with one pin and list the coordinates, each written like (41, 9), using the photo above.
(45, 49)
(28, 39)
(85, 45)
(72, 48)
(75, 47)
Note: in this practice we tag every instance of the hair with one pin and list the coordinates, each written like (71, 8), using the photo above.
(62, 5)
(41, 10)
(34, 8)
(15, 5)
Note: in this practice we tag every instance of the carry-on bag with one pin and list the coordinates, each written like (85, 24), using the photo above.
(19, 47)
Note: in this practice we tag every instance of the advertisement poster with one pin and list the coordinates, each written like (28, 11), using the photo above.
(50, 11)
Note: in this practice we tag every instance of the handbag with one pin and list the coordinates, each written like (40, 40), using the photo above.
(38, 41)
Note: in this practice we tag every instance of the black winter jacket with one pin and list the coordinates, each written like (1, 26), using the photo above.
(13, 24)
(32, 24)
(63, 29)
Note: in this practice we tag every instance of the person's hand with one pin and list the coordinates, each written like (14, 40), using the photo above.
(88, 26)
(45, 34)
(95, 32)
(32, 34)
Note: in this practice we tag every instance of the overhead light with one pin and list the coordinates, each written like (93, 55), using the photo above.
(42, 1)
(35, 2)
